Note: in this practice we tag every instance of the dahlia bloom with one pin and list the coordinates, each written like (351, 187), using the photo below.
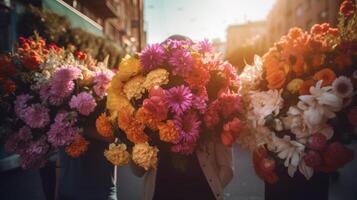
(36, 116)
(188, 126)
(20, 104)
(179, 99)
(152, 57)
(84, 103)
(62, 131)
(181, 62)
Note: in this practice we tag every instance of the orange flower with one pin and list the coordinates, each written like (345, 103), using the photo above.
(133, 129)
(317, 60)
(299, 66)
(326, 75)
(104, 126)
(145, 117)
(168, 132)
(305, 87)
(276, 79)
(78, 146)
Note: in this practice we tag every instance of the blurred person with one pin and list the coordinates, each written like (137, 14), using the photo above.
(201, 175)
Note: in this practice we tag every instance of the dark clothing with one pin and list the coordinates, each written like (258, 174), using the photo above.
(185, 184)
(89, 177)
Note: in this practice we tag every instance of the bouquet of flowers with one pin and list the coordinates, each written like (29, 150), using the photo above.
(300, 100)
(170, 93)
(53, 95)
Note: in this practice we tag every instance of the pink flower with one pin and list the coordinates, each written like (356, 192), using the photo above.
(101, 81)
(188, 125)
(36, 116)
(181, 62)
(231, 132)
(183, 148)
(157, 107)
(317, 142)
(18, 142)
(347, 8)
(313, 159)
(152, 57)
(211, 117)
(179, 99)
(62, 131)
(20, 104)
(84, 103)
(204, 46)
(229, 104)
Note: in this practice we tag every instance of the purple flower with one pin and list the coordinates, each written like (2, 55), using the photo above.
(177, 44)
(102, 80)
(181, 62)
(20, 104)
(200, 103)
(61, 85)
(188, 125)
(183, 148)
(36, 116)
(152, 57)
(62, 131)
(204, 46)
(29, 161)
(84, 103)
(178, 99)
(17, 142)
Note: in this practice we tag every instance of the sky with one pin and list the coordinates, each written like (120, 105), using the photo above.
(199, 19)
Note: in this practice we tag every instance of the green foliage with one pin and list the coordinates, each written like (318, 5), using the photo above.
(57, 29)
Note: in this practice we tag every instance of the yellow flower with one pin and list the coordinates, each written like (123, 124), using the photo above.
(156, 77)
(117, 154)
(294, 85)
(134, 87)
(168, 132)
(116, 103)
(129, 67)
(145, 156)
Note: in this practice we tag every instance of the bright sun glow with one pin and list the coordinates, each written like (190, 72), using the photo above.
(199, 19)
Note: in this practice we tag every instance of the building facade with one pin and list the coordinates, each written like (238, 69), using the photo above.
(244, 35)
(286, 14)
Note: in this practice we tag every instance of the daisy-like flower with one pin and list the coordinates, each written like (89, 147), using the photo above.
(20, 104)
(84, 103)
(188, 125)
(102, 80)
(181, 62)
(204, 46)
(152, 57)
(36, 116)
(343, 87)
(62, 131)
(179, 99)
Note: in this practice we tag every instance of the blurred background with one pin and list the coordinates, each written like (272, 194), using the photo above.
(238, 29)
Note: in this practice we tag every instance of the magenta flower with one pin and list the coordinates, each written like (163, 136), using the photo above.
(20, 104)
(211, 117)
(101, 81)
(204, 46)
(188, 125)
(181, 62)
(62, 131)
(36, 116)
(152, 57)
(179, 99)
(84, 103)
(200, 103)
(156, 106)
(17, 142)
(183, 148)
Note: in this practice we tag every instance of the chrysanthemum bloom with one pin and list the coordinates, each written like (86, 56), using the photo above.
(20, 104)
(198, 77)
(101, 81)
(183, 148)
(211, 117)
(347, 8)
(204, 46)
(313, 159)
(276, 79)
(157, 107)
(117, 154)
(78, 146)
(156, 77)
(188, 126)
(132, 128)
(342, 87)
(152, 57)
(104, 126)
(179, 99)
(326, 75)
(168, 132)
(36, 116)
(62, 131)
(145, 156)
(32, 62)
(230, 104)
(17, 142)
(147, 118)
(84, 103)
(34, 156)
(181, 62)
(199, 102)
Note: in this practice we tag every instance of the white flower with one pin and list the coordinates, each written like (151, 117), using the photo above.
(343, 87)
(252, 75)
(265, 103)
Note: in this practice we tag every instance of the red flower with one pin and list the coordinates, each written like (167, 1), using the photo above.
(198, 77)
(317, 142)
(231, 132)
(6, 67)
(7, 86)
(227, 139)
(336, 156)
(313, 159)
(32, 62)
(263, 166)
(347, 8)
(267, 165)
(80, 55)
(352, 116)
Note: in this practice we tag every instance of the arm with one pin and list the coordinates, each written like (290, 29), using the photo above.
(224, 161)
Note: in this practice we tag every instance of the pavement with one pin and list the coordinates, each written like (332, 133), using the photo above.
(245, 184)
